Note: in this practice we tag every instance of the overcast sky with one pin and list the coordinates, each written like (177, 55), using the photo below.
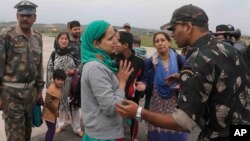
(139, 13)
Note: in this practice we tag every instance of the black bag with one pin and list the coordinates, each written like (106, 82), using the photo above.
(75, 91)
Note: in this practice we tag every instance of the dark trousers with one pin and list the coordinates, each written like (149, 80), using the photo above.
(51, 131)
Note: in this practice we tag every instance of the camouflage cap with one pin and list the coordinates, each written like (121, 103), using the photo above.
(26, 7)
(187, 13)
(223, 27)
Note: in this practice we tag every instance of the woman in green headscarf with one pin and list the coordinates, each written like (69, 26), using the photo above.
(102, 85)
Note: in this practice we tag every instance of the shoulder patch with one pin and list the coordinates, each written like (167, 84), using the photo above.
(39, 35)
(7, 30)
(187, 72)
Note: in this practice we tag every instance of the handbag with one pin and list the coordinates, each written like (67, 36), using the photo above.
(37, 115)
(75, 91)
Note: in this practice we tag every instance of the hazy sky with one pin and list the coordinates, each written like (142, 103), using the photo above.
(139, 13)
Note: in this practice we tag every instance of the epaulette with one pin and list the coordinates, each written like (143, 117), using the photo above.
(7, 29)
(37, 33)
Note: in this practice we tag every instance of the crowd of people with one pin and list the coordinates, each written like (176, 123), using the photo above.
(99, 76)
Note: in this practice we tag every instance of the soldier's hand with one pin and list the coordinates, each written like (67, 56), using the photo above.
(1, 104)
(39, 99)
(126, 108)
(177, 88)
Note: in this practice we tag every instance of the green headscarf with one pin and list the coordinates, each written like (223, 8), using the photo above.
(89, 52)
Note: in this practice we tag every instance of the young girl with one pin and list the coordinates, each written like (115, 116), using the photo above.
(52, 101)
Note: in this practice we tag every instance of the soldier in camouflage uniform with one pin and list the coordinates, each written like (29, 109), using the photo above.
(21, 73)
(214, 83)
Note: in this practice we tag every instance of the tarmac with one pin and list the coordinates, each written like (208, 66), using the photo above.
(69, 135)
(38, 133)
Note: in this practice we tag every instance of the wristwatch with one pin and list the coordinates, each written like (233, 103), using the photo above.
(138, 114)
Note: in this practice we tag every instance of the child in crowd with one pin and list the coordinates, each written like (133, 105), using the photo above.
(64, 57)
(52, 102)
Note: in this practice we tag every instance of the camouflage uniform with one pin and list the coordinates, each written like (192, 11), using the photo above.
(215, 89)
(21, 78)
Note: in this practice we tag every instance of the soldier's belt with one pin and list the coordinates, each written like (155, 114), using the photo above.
(19, 85)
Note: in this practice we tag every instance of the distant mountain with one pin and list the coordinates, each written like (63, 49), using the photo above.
(53, 29)
(58, 27)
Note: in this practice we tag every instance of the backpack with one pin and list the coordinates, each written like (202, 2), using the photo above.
(53, 55)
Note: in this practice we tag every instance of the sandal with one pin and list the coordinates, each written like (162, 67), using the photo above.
(80, 134)
(59, 130)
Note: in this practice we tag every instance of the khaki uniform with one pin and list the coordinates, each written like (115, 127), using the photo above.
(21, 78)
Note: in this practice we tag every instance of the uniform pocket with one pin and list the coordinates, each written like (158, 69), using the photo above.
(37, 55)
(19, 50)
(37, 51)
(19, 54)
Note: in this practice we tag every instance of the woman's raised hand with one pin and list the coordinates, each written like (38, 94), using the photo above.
(124, 72)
